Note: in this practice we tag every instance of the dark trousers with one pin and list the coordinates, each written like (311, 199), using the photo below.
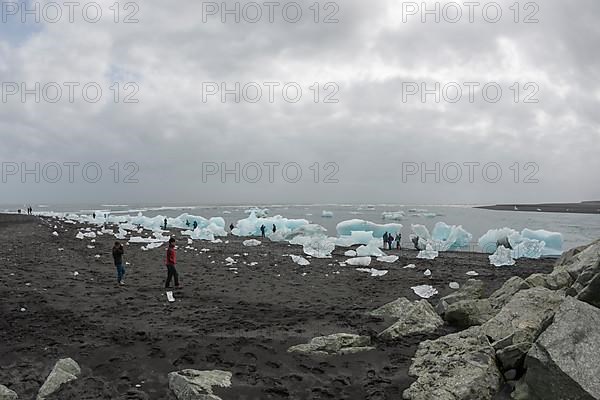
(120, 272)
(172, 273)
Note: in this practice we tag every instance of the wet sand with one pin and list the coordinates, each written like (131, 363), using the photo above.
(243, 323)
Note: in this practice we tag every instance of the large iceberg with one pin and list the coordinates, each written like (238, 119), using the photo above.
(528, 243)
(345, 228)
(251, 226)
(444, 237)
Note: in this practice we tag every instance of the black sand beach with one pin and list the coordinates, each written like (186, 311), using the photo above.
(243, 323)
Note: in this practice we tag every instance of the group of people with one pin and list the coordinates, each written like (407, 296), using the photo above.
(170, 263)
(389, 238)
(29, 211)
(263, 229)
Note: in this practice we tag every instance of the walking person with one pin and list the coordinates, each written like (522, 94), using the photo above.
(385, 239)
(117, 253)
(274, 228)
(262, 230)
(398, 239)
(165, 226)
(390, 241)
(171, 262)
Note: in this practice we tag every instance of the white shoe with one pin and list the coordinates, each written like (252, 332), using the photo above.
(122, 282)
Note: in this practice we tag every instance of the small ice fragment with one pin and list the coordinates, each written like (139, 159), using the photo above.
(410, 266)
(427, 273)
(472, 273)
(425, 291)
(454, 285)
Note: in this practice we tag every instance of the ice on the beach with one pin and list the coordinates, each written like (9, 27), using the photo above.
(151, 246)
(55, 233)
(350, 253)
(428, 254)
(427, 273)
(230, 260)
(327, 214)
(444, 237)
(388, 259)
(472, 273)
(75, 273)
(393, 215)
(356, 237)
(300, 260)
(250, 226)
(526, 244)
(319, 247)
(79, 235)
(374, 272)
(502, 257)
(345, 228)
(410, 266)
(370, 250)
(553, 240)
(359, 261)
(454, 285)
(251, 243)
(425, 291)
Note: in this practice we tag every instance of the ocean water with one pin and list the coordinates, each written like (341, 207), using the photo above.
(577, 229)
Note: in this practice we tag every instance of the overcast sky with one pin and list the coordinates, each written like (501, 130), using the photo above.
(369, 135)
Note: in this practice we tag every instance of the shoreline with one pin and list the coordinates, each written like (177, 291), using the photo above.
(592, 207)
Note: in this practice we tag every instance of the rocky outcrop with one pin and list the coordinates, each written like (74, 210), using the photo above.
(466, 313)
(413, 319)
(394, 309)
(473, 289)
(65, 370)
(514, 329)
(191, 384)
(563, 362)
(458, 366)
(339, 343)
(7, 394)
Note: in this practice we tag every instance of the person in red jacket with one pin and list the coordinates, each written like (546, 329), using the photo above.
(171, 262)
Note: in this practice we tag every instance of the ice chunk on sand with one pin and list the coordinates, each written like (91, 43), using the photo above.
(359, 261)
(528, 248)
(373, 271)
(472, 273)
(425, 291)
(300, 260)
(388, 259)
(454, 285)
(370, 250)
(428, 254)
(444, 237)
(410, 266)
(79, 235)
(350, 253)
(230, 260)
(427, 273)
(319, 247)
(151, 246)
(490, 240)
(345, 228)
(251, 243)
(55, 233)
(553, 240)
(502, 257)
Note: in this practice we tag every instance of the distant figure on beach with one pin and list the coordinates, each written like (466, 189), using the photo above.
(171, 262)
(390, 241)
(195, 225)
(19, 211)
(187, 222)
(231, 227)
(385, 239)
(262, 230)
(94, 215)
(117, 253)
(415, 241)
(274, 228)
(398, 239)
(165, 226)
(503, 242)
